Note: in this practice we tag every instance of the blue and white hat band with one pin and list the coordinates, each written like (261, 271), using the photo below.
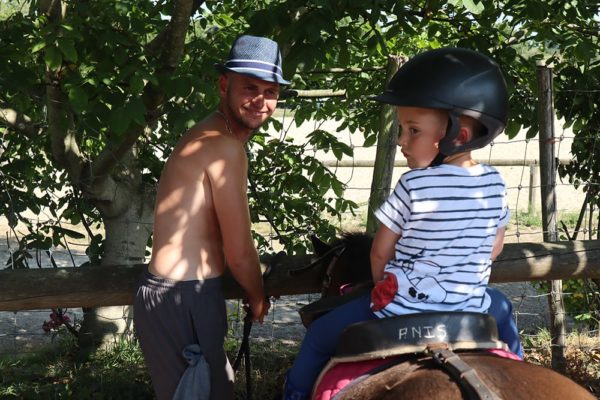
(250, 65)
(257, 57)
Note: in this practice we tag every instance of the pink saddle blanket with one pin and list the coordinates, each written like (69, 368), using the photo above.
(342, 374)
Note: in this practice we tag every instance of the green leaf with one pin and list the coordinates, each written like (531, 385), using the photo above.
(78, 99)
(347, 150)
(137, 110)
(337, 187)
(67, 47)
(337, 152)
(68, 232)
(370, 140)
(512, 129)
(585, 50)
(38, 46)
(318, 176)
(136, 84)
(67, 27)
(119, 120)
(474, 8)
(53, 58)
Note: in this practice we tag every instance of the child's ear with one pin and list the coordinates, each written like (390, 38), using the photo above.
(464, 135)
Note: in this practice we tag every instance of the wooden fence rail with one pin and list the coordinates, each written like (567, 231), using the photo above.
(94, 286)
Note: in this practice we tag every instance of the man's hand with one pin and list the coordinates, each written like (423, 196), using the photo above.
(259, 308)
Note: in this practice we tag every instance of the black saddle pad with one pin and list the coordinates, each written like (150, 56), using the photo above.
(316, 309)
(415, 332)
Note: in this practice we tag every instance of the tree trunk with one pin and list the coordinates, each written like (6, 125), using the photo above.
(126, 239)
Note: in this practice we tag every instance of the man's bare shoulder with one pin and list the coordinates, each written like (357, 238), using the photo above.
(208, 141)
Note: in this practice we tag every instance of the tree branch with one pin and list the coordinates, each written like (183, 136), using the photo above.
(162, 38)
(54, 9)
(18, 121)
(177, 29)
(171, 42)
(349, 70)
(65, 150)
(110, 156)
(62, 136)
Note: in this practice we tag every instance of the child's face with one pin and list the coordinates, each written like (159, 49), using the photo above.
(421, 130)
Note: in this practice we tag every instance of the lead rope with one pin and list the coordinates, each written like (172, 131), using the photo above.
(245, 351)
(245, 345)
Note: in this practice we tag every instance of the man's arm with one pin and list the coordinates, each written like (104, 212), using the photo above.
(228, 174)
(382, 250)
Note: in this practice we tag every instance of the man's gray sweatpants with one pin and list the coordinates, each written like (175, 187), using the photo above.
(170, 315)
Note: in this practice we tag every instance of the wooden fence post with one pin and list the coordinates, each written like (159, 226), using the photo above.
(549, 211)
(533, 188)
(386, 151)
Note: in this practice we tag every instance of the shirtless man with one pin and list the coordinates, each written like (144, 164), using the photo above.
(202, 225)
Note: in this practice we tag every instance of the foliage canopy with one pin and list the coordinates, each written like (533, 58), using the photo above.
(93, 95)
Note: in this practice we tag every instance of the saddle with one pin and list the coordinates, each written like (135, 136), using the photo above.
(436, 333)
(414, 333)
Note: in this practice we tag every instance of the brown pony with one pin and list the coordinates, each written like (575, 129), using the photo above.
(422, 356)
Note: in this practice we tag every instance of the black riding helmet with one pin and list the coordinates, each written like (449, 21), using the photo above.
(462, 81)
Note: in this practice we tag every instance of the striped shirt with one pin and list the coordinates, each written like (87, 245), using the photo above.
(447, 217)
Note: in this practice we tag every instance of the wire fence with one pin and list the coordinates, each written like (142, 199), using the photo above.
(516, 159)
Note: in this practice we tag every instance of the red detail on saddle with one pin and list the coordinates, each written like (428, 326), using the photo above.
(346, 288)
(342, 374)
(384, 292)
(505, 354)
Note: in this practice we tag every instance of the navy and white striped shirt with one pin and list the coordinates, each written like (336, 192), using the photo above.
(447, 217)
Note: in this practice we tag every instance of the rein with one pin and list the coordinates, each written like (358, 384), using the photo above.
(244, 349)
(337, 251)
(327, 278)
(340, 246)
(245, 352)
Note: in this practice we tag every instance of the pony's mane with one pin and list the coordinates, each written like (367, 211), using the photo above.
(359, 242)
(356, 257)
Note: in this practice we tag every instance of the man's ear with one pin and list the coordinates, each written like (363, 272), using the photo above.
(223, 83)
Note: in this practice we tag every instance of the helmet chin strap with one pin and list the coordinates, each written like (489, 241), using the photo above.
(446, 145)
(438, 160)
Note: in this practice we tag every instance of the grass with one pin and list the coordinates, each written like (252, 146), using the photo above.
(533, 219)
(529, 219)
(582, 354)
(529, 223)
(270, 360)
(119, 373)
(56, 374)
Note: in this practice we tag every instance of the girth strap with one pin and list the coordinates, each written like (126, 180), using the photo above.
(464, 374)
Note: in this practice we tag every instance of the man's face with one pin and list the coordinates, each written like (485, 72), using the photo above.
(421, 131)
(251, 101)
